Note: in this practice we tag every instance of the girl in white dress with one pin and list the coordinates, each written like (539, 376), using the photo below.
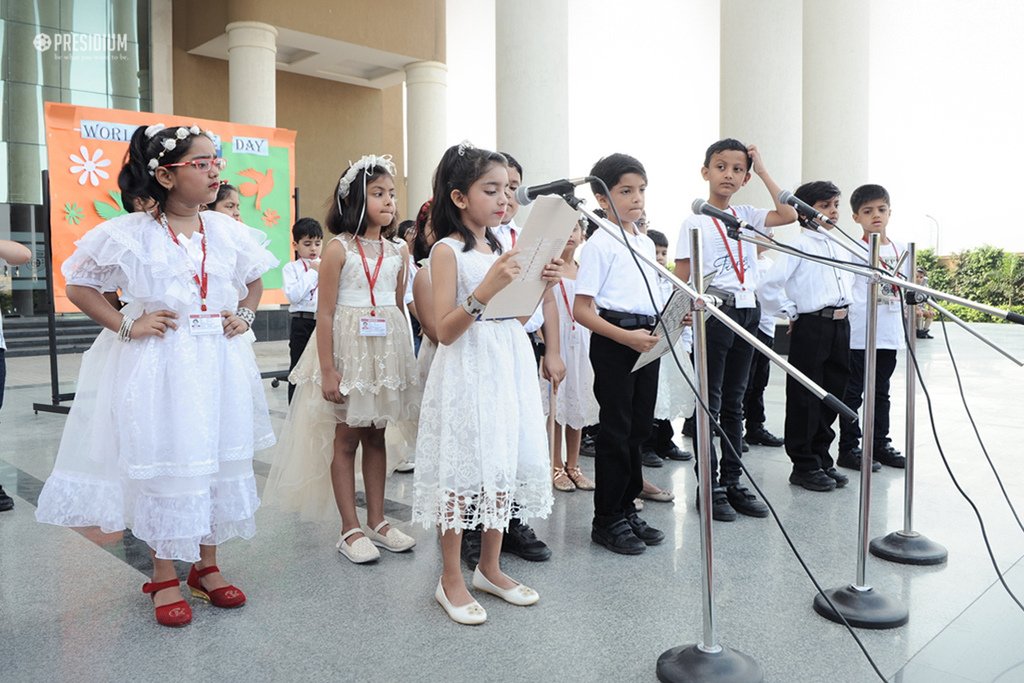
(169, 406)
(575, 405)
(358, 372)
(480, 456)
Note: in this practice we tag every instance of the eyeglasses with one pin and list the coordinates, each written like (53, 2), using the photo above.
(201, 165)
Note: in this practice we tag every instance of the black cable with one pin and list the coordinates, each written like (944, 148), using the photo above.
(949, 470)
(704, 406)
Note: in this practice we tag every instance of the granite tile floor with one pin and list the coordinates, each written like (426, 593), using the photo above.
(71, 609)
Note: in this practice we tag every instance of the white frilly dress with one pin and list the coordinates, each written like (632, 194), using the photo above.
(161, 434)
(379, 380)
(675, 397)
(481, 449)
(575, 404)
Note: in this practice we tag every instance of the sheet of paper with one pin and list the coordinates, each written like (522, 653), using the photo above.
(542, 239)
(679, 304)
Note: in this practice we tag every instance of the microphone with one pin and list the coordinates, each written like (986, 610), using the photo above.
(803, 208)
(700, 206)
(525, 195)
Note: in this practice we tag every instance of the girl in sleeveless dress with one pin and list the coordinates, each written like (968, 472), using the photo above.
(169, 406)
(481, 450)
(358, 372)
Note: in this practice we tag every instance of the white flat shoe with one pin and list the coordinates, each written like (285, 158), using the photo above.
(471, 614)
(359, 552)
(405, 466)
(517, 595)
(394, 540)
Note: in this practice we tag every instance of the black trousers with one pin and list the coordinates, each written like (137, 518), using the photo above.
(820, 348)
(849, 430)
(626, 400)
(660, 440)
(3, 374)
(301, 330)
(753, 400)
(728, 361)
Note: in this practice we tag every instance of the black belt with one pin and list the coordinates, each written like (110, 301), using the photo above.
(304, 314)
(630, 321)
(833, 312)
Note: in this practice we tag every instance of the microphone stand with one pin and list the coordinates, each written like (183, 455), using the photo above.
(708, 660)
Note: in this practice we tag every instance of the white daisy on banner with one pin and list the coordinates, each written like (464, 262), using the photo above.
(90, 167)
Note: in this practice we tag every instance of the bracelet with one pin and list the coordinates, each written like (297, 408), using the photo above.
(247, 315)
(125, 333)
(473, 306)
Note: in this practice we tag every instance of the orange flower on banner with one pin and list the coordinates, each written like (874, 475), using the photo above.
(270, 218)
(262, 185)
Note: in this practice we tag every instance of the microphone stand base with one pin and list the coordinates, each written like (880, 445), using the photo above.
(691, 664)
(862, 607)
(912, 548)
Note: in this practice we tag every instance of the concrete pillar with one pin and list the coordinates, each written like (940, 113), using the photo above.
(426, 121)
(760, 98)
(532, 76)
(252, 73)
(836, 39)
(161, 46)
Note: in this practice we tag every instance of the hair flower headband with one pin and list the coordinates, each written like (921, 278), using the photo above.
(463, 146)
(365, 162)
(181, 133)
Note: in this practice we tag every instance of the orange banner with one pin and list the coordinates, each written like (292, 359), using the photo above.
(86, 147)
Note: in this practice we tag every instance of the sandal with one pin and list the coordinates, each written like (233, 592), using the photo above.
(582, 481)
(175, 614)
(561, 480)
(227, 596)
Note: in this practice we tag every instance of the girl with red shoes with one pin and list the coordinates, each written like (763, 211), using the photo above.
(170, 406)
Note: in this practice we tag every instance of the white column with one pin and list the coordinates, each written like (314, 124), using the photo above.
(252, 73)
(532, 75)
(836, 63)
(161, 47)
(426, 121)
(760, 95)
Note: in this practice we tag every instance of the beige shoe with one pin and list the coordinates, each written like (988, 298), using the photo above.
(360, 551)
(582, 481)
(658, 496)
(394, 540)
(561, 480)
(517, 595)
(471, 614)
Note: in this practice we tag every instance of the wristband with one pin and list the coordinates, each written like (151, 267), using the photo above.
(473, 306)
(247, 315)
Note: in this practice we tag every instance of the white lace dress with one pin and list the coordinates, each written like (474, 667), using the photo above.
(575, 405)
(379, 380)
(481, 450)
(161, 434)
(675, 397)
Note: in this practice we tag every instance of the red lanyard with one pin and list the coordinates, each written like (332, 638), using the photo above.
(565, 298)
(372, 280)
(741, 269)
(513, 234)
(312, 292)
(199, 278)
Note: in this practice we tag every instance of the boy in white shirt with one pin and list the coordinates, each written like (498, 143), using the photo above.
(613, 302)
(727, 166)
(301, 279)
(871, 210)
(815, 297)
(16, 255)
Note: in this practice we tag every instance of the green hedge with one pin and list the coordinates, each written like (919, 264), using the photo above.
(987, 274)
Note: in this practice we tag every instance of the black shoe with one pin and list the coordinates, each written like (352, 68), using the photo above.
(650, 459)
(617, 537)
(745, 502)
(815, 480)
(761, 436)
(587, 446)
(840, 479)
(720, 509)
(887, 455)
(851, 460)
(648, 534)
(676, 453)
(6, 502)
(471, 540)
(922, 334)
(690, 427)
(522, 541)
(744, 446)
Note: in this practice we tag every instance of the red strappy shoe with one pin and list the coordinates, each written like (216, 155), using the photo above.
(228, 596)
(175, 614)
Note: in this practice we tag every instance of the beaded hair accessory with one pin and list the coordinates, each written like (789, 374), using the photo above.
(463, 146)
(182, 133)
